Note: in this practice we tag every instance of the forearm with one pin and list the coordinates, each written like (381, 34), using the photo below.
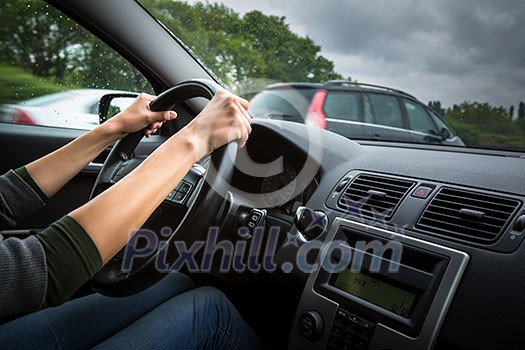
(53, 171)
(111, 216)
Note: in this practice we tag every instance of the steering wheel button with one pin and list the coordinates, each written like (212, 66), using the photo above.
(185, 187)
(179, 197)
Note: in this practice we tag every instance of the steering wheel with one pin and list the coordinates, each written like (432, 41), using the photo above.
(185, 215)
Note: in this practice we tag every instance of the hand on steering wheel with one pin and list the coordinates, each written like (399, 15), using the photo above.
(139, 116)
(223, 120)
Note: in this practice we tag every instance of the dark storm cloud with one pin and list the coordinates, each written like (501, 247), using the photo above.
(453, 50)
(447, 36)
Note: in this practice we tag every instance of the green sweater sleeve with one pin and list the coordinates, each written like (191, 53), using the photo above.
(71, 258)
(24, 174)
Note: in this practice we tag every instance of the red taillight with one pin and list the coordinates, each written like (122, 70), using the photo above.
(22, 117)
(315, 115)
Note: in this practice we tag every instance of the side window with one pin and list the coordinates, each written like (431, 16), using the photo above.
(52, 71)
(368, 116)
(288, 103)
(341, 105)
(418, 118)
(384, 109)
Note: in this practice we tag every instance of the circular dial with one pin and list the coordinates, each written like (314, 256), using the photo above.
(279, 188)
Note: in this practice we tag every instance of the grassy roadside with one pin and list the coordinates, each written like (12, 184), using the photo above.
(19, 85)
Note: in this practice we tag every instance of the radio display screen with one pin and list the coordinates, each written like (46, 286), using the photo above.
(376, 291)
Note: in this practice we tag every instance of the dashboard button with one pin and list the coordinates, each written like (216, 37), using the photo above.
(310, 223)
(519, 225)
(422, 192)
(311, 325)
(342, 313)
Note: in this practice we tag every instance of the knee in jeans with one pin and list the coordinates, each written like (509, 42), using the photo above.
(180, 280)
(212, 296)
(214, 303)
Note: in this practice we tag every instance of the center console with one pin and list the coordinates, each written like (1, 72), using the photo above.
(376, 289)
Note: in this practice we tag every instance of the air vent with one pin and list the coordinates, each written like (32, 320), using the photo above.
(373, 196)
(468, 216)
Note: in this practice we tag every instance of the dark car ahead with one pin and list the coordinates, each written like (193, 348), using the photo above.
(355, 110)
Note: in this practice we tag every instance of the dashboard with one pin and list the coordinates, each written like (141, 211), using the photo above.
(456, 214)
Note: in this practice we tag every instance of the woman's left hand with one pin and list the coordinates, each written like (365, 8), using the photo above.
(139, 116)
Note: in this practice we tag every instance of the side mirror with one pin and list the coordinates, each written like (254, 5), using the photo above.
(111, 104)
(445, 133)
(433, 139)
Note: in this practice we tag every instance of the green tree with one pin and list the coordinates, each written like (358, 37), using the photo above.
(483, 125)
(37, 38)
(511, 111)
(288, 56)
(521, 110)
(236, 48)
(436, 106)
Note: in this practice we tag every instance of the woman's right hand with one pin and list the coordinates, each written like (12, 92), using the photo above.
(223, 120)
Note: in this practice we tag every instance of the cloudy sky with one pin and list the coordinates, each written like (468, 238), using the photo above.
(449, 50)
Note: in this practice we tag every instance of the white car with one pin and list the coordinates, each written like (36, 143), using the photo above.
(75, 109)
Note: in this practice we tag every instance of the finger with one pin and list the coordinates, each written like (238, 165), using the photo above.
(154, 117)
(246, 118)
(156, 125)
(170, 115)
(245, 122)
(244, 103)
(148, 96)
(245, 129)
(148, 132)
(244, 137)
(150, 129)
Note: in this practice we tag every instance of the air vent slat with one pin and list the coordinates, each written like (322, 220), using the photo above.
(456, 235)
(366, 192)
(478, 196)
(363, 190)
(360, 195)
(380, 181)
(374, 203)
(363, 194)
(453, 226)
(451, 205)
(490, 221)
(444, 215)
(458, 199)
(375, 185)
(374, 214)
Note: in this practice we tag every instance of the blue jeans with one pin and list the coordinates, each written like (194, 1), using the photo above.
(169, 315)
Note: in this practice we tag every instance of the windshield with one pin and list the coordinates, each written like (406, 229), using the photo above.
(462, 61)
